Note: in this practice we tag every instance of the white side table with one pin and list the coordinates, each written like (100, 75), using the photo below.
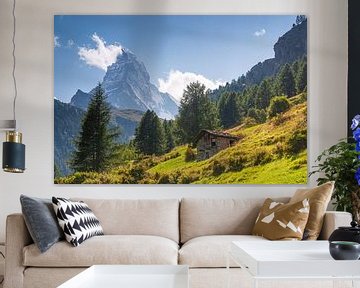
(287, 261)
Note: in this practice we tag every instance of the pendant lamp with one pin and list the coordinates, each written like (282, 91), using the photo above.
(13, 160)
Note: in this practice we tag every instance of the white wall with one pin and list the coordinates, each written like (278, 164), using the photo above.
(327, 56)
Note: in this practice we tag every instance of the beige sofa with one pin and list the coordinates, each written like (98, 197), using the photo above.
(194, 232)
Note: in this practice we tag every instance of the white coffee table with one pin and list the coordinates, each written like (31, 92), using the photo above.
(131, 276)
(292, 260)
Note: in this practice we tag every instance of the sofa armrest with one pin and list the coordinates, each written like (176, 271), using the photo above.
(333, 220)
(17, 237)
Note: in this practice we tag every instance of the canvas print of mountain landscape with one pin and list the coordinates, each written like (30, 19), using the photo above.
(180, 99)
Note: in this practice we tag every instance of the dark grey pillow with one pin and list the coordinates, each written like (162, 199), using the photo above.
(41, 221)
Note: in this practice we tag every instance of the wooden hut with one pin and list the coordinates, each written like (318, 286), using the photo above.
(208, 143)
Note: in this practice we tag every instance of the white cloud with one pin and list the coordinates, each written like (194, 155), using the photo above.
(177, 81)
(70, 43)
(102, 56)
(260, 33)
(57, 41)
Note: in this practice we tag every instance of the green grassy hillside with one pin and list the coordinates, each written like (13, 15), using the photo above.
(269, 153)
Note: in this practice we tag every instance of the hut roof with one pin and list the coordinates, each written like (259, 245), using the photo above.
(214, 133)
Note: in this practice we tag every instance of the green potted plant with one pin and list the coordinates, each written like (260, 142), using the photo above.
(341, 163)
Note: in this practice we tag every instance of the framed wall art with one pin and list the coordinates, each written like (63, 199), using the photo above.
(180, 99)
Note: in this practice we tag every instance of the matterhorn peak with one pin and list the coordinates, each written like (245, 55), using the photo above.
(127, 86)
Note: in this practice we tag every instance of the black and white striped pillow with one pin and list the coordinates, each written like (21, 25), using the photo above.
(77, 220)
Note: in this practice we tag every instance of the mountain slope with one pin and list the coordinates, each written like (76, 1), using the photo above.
(80, 100)
(127, 86)
(127, 120)
(66, 128)
(290, 47)
(68, 123)
(270, 153)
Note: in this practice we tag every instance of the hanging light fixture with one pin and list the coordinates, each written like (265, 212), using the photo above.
(13, 149)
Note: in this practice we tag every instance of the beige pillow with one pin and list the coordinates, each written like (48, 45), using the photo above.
(319, 198)
(279, 221)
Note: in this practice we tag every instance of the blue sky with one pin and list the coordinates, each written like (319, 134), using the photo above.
(174, 49)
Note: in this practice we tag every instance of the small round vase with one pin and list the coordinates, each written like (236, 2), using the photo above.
(344, 250)
(346, 233)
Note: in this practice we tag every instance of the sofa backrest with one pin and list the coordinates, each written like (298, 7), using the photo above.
(200, 217)
(159, 217)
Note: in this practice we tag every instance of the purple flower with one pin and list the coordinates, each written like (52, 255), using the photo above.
(357, 176)
(355, 122)
(355, 126)
(356, 134)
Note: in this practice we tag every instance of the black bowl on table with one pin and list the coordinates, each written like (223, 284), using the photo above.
(346, 233)
(344, 250)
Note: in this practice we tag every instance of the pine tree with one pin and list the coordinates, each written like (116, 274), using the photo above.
(223, 109)
(300, 19)
(95, 145)
(229, 111)
(196, 112)
(149, 136)
(169, 135)
(295, 67)
(250, 96)
(57, 172)
(301, 78)
(285, 81)
(263, 94)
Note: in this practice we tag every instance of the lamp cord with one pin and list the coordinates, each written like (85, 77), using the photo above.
(14, 60)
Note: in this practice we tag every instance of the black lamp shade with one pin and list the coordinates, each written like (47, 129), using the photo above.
(13, 157)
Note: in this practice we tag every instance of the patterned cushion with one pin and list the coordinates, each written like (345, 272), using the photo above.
(319, 198)
(77, 220)
(279, 221)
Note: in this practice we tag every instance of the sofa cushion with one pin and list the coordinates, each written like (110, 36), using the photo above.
(279, 221)
(137, 217)
(319, 198)
(41, 221)
(76, 220)
(107, 249)
(201, 217)
(211, 251)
